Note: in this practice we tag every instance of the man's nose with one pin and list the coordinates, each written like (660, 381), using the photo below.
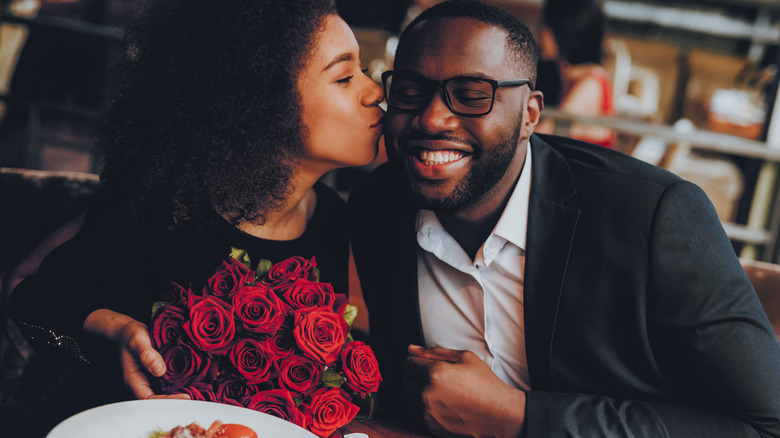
(436, 116)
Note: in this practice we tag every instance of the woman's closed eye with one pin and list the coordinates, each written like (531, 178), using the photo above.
(347, 79)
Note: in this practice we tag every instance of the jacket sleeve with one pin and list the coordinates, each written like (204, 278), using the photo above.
(718, 355)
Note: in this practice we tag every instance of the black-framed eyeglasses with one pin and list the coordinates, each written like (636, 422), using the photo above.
(464, 95)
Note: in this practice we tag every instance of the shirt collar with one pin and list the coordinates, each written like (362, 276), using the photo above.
(513, 222)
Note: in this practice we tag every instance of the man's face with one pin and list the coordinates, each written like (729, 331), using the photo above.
(454, 162)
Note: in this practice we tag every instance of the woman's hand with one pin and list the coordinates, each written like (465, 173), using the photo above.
(137, 355)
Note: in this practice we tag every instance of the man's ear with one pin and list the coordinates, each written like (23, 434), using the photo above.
(532, 112)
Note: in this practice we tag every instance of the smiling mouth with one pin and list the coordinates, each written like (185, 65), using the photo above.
(432, 158)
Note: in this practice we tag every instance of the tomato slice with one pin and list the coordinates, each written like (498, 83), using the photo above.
(235, 431)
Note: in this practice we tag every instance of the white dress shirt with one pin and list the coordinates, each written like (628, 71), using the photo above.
(478, 305)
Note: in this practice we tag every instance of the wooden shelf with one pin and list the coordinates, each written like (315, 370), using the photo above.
(707, 21)
(698, 139)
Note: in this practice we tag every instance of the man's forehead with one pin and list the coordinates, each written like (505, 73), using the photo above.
(443, 29)
(454, 45)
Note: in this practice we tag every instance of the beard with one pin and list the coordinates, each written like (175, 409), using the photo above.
(486, 172)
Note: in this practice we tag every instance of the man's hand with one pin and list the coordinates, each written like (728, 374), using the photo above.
(135, 348)
(460, 395)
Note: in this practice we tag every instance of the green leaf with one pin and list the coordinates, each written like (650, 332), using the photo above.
(158, 306)
(263, 266)
(240, 255)
(350, 313)
(332, 378)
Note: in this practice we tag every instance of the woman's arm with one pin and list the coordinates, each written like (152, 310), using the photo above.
(132, 337)
(135, 346)
(31, 262)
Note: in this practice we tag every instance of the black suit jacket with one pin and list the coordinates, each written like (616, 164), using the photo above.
(639, 318)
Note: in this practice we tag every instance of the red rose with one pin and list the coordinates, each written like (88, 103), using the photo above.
(211, 326)
(299, 374)
(305, 294)
(279, 403)
(231, 387)
(330, 409)
(227, 279)
(178, 294)
(360, 368)
(320, 334)
(168, 326)
(206, 394)
(252, 360)
(258, 309)
(282, 342)
(185, 367)
(200, 393)
(340, 305)
(284, 273)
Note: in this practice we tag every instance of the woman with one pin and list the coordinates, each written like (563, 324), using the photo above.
(571, 39)
(223, 120)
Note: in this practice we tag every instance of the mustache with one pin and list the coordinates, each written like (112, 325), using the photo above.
(433, 137)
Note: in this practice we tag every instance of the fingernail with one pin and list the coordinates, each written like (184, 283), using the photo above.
(157, 370)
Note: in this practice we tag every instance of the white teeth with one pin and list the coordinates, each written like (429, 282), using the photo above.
(429, 158)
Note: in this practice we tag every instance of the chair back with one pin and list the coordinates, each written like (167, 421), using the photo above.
(34, 203)
(765, 278)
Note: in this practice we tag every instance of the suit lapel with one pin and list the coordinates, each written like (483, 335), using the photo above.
(401, 242)
(407, 244)
(551, 228)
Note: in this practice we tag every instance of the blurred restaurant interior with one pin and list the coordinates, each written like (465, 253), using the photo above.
(694, 85)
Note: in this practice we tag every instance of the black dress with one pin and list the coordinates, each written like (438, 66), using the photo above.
(126, 270)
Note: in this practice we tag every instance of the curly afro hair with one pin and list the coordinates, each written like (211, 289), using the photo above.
(204, 112)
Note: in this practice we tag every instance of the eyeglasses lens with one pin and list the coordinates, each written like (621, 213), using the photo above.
(464, 95)
(470, 96)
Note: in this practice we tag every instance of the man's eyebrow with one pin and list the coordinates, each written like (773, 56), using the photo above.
(340, 58)
(475, 74)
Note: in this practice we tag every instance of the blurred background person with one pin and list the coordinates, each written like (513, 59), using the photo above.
(571, 75)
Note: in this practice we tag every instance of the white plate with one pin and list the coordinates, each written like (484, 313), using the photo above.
(140, 418)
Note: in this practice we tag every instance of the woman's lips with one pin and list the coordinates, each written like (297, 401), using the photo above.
(379, 122)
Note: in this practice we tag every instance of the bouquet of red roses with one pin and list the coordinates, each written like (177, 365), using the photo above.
(275, 340)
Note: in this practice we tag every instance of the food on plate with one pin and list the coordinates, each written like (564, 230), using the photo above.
(216, 430)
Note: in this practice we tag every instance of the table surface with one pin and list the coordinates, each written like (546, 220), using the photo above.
(381, 428)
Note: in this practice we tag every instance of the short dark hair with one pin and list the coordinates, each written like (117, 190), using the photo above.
(578, 29)
(520, 39)
(204, 111)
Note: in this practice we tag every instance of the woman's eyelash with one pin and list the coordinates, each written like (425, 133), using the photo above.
(349, 78)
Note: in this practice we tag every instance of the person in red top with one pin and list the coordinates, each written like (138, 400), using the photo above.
(571, 38)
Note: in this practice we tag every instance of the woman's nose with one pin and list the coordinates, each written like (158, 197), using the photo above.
(373, 94)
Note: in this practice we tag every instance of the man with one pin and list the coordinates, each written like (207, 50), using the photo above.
(558, 288)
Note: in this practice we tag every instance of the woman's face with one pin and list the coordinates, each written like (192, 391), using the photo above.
(340, 104)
